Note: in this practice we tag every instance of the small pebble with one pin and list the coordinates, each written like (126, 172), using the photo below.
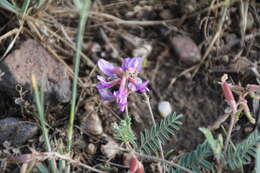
(166, 14)
(92, 124)
(89, 106)
(164, 108)
(186, 49)
(95, 48)
(91, 149)
(142, 51)
(110, 149)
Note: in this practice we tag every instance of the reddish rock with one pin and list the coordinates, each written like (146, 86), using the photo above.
(186, 49)
(32, 58)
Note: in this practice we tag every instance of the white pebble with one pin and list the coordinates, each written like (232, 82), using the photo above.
(92, 124)
(142, 51)
(110, 149)
(164, 108)
(91, 149)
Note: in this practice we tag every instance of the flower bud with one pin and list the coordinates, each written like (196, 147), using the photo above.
(229, 96)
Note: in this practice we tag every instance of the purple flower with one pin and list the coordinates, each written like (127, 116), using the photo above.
(125, 77)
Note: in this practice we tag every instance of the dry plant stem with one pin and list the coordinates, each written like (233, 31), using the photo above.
(10, 46)
(117, 20)
(164, 161)
(57, 155)
(219, 5)
(184, 72)
(244, 15)
(216, 36)
(154, 123)
(9, 33)
(72, 46)
(156, 159)
(231, 125)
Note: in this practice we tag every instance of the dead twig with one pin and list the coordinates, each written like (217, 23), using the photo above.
(214, 39)
(39, 157)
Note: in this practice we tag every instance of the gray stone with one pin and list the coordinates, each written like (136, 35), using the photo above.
(32, 58)
(15, 131)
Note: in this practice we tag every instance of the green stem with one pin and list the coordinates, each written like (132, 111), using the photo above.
(81, 28)
(154, 123)
(40, 109)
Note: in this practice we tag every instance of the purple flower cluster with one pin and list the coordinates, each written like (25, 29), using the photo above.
(124, 76)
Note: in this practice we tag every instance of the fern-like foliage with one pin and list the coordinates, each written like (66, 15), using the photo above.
(124, 132)
(243, 153)
(195, 160)
(159, 134)
(235, 158)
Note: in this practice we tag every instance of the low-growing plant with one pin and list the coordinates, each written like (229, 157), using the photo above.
(212, 154)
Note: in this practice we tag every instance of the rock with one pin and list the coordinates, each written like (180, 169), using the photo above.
(110, 149)
(186, 49)
(166, 14)
(89, 106)
(188, 6)
(32, 58)
(142, 51)
(15, 131)
(164, 108)
(91, 149)
(92, 124)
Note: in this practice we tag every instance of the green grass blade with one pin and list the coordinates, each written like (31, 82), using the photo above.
(40, 109)
(258, 154)
(25, 6)
(42, 168)
(7, 5)
(81, 28)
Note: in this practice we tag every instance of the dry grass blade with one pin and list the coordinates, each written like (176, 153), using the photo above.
(39, 157)
(216, 36)
(13, 41)
(9, 33)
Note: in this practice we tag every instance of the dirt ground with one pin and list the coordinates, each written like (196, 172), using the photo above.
(227, 41)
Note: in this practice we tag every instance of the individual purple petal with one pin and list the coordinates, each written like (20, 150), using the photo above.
(106, 67)
(106, 94)
(133, 82)
(118, 71)
(132, 87)
(121, 98)
(138, 84)
(136, 64)
(122, 84)
(142, 87)
(125, 63)
(109, 84)
(101, 78)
